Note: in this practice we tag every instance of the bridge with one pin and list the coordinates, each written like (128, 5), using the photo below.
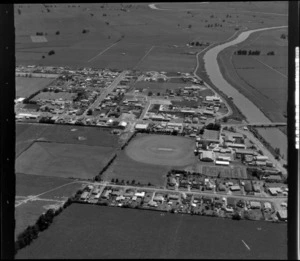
(257, 124)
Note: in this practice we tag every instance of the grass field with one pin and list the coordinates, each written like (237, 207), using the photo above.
(156, 87)
(88, 232)
(53, 96)
(26, 86)
(52, 190)
(27, 214)
(133, 32)
(263, 78)
(63, 160)
(162, 150)
(127, 169)
(26, 134)
(225, 172)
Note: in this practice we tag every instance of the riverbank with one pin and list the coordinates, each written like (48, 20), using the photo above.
(247, 107)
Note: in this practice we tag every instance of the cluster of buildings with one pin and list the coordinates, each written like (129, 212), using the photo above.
(181, 202)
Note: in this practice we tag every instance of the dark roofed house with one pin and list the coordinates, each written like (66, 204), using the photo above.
(207, 200)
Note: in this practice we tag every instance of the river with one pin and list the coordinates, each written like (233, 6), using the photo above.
(272, 135)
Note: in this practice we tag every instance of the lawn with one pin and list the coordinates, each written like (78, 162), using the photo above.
(89, 232)
(156, 87)
(64, 160)
(94, 136)
(54, 96)
(26, 86)
(127, 169)
(225, 172)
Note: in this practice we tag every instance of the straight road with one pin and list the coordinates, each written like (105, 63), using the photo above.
(106, 92)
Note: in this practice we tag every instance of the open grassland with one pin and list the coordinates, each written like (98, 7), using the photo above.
(53, 96)
(238, 172)
(156, 87)
(27, 214)
(26, 134)
(46, 187)
(88, 231)
(263, 78)
(127, 169)
(123, 39)
(26, 86)
(44, 192)
(169, 59)
(64, 160)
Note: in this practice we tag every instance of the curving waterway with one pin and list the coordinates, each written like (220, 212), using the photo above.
(253, 114)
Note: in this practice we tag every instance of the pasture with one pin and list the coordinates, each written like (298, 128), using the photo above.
(89, 232)
(26, 134)
(112, 32)
(27, 214)
(26, 86)
(63, 160)
(47, 190)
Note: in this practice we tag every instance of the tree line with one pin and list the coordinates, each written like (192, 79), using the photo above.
(44, 221)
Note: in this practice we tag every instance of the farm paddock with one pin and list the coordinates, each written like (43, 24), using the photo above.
(64, 160)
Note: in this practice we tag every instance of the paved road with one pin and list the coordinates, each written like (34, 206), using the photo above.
(106, 92)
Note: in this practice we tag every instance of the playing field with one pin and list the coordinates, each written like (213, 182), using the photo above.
(25, 86)
(26, 134)
(63, 160)
(225, 172)
(127, 169)
(156, 87)
(162, 150)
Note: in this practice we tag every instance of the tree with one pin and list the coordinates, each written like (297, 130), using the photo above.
(133, 182)
(51, 52)
(225, 119)
(112, 180)
(89, 112)
(57, 33)
(158, 94)
(43, 57)
(149, 184)
(190, 26)
(117, 180)
(19, 11)
(150, 93)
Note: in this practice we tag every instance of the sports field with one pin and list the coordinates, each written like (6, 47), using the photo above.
(89, 232)
(148, 158)
(156, 87)
(26, 134)
(26, 86)
(162, 150)
(63, 160)
(225, 172)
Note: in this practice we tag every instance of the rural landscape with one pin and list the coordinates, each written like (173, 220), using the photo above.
(151, 130)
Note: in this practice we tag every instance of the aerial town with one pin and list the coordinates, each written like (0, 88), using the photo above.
(151, 130)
